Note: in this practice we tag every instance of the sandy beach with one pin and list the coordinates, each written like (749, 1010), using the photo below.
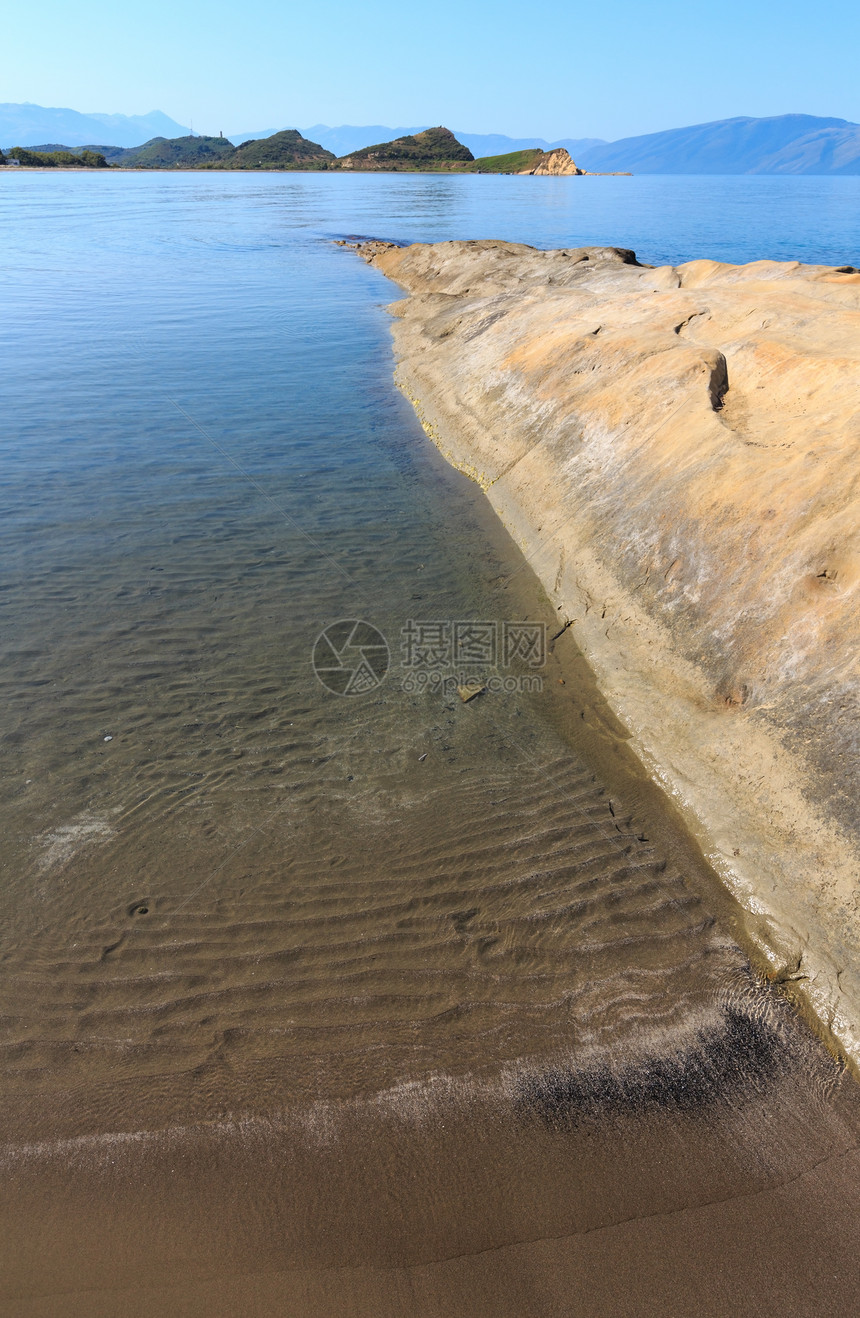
(526, 1077)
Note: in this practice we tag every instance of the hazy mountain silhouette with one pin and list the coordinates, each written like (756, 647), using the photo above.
(782, 144)
(28, 125)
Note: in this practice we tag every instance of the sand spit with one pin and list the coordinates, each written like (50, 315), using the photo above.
(676, 449)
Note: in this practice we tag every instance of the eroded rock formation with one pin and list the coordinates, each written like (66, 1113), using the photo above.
(558, 161)
(677, 451)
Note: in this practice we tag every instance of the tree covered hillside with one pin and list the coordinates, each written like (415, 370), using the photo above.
(61, 158)
(285, 150)
(176, 153)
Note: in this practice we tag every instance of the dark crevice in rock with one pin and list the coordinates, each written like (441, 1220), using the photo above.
(718, 385)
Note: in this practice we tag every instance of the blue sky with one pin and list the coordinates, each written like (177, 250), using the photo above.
(547, 68)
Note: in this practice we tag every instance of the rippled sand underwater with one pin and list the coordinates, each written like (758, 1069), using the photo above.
(319, 1004)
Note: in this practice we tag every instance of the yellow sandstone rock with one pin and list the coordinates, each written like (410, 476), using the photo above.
(687, 439)
(555, 162)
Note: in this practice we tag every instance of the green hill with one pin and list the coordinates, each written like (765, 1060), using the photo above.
(434, 149)
(286, 150)
(177, 153)
(512, 163)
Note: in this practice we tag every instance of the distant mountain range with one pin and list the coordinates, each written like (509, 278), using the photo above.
(782, 144)
(494, 144)
(31, 125)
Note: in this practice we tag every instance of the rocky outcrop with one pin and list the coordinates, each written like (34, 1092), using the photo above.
(554, 162)
(677, 451)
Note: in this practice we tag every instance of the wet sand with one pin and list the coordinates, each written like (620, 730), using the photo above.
(443, 1201)
(465, 1043)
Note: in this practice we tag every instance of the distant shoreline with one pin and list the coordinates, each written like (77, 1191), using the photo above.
(432, 151)
(196, 169)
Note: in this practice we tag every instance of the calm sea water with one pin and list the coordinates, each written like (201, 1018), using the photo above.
(228, 894)
(205, 463)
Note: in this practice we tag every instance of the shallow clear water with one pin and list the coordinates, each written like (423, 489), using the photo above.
(229, 895)
(206, 464)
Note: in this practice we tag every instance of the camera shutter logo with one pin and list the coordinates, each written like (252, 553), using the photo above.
(351, 657)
